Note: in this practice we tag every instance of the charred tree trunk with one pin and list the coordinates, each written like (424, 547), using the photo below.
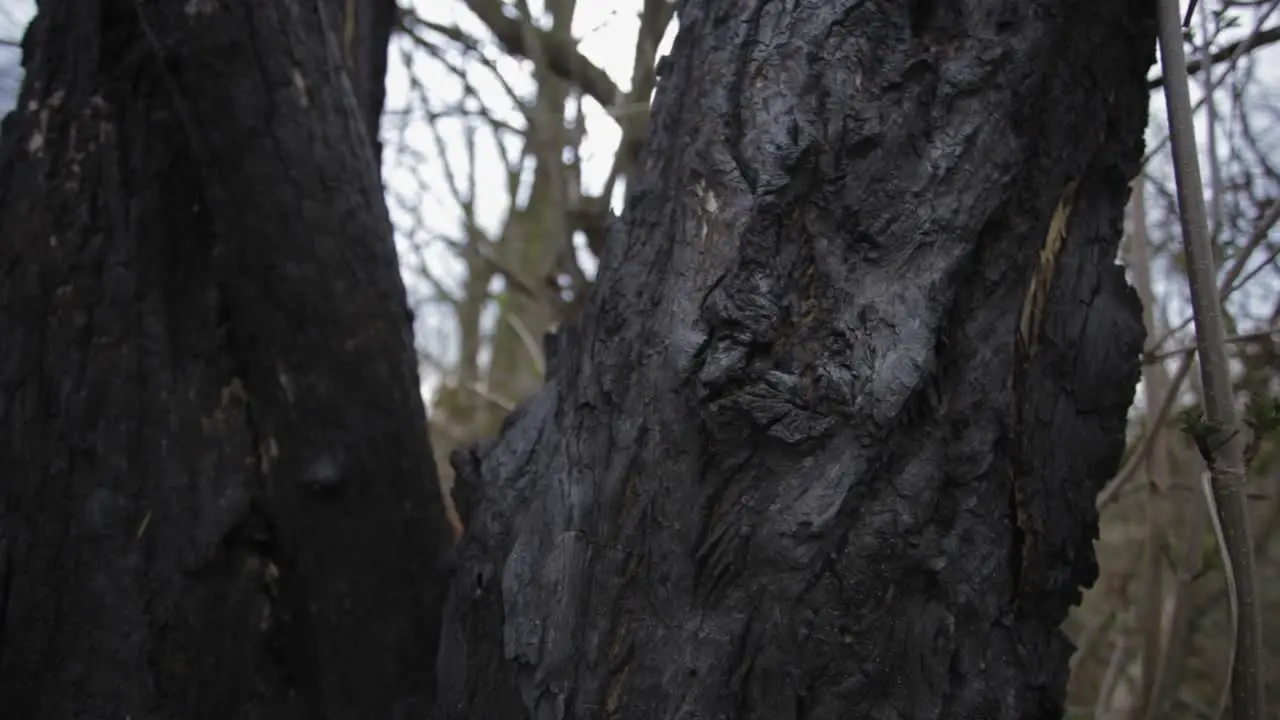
(365, 34)
(217, 499)
(827, 442)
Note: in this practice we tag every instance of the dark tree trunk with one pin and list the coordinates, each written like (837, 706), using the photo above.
(218, 499)
(366, 27)
(827, 442)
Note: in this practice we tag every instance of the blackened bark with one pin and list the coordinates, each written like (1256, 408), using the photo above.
(218, 500)
(810, 458)
(363, 30)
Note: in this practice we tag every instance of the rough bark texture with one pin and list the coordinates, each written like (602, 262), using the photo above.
(816, 450)
(218, 500)
(365, 33)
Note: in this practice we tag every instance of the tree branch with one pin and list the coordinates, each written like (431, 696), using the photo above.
(1231, 340)
(1225, 456)
(562, 57)
(1253, 42)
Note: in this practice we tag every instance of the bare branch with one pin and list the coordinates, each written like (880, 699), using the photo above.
(1230, 282)
(1252, 42)
(1231, 340)
(562, 57)
(1233, 280)
(1222, 444)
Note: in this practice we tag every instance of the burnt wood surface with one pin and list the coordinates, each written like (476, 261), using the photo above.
(804, 457)
(217, 498)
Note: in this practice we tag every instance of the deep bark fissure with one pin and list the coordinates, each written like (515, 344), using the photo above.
(800, 463)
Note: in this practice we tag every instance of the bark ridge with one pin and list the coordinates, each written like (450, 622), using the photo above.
(799, 461)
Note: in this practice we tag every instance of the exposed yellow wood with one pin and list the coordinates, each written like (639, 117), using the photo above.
(349, 33)
(1042, 280)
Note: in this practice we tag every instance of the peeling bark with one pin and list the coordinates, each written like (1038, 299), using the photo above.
(811, 454)
(218, 498)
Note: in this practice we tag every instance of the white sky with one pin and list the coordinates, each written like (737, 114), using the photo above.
(14, 16)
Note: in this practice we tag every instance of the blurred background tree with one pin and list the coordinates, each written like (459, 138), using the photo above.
(509, 149)
(509, 134)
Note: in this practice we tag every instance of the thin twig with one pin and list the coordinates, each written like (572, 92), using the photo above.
(1223, 443)
(1232, 340)
(531, 344)
(1226, 287)
(1233, 281)
(1111, 677)
(1154, 381)
(1254, 41)
(1177, 637)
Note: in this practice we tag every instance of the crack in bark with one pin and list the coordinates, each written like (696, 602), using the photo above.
(854, 458)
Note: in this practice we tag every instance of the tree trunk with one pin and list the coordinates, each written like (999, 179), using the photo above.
(365, 33)
(218, 500)
(827, 441)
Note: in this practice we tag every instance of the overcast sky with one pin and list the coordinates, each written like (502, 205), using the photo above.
(14, 15)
